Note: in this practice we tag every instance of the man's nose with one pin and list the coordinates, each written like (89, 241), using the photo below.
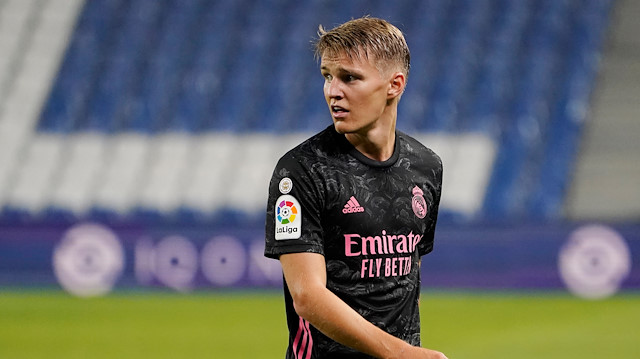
(334, 89)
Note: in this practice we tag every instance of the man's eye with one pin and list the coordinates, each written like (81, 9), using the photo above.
(349, 78)
(327, 77)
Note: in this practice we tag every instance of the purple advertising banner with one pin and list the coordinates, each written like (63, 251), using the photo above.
(86, 259)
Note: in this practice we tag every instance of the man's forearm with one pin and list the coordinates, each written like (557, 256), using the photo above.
(305, 275)
(329, 314)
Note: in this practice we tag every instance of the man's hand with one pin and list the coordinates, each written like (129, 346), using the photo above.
(420, 353)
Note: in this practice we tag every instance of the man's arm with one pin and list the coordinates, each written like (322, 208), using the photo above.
(306, 278)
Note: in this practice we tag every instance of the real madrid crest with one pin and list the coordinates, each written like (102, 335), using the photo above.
(418, 203)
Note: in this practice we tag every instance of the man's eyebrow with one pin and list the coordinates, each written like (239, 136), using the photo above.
(341, 70)
(355, 72)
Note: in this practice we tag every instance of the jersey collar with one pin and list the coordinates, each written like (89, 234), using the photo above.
(366, 160)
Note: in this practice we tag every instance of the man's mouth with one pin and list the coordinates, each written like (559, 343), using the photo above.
(338, 110)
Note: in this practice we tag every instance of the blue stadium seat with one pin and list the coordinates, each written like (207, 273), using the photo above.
(103, 113)
(512, 69)
(67, 104)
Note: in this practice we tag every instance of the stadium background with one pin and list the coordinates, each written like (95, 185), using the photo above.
(137, 138)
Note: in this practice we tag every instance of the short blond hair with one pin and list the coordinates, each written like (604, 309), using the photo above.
(366, 36)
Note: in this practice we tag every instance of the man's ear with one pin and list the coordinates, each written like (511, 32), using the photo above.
(396, 85)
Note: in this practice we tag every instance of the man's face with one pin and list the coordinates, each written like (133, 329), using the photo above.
(355, 91)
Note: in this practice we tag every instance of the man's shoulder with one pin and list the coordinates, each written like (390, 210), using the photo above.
(414, 146)
(321, 145)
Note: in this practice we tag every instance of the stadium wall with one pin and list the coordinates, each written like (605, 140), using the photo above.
(89, 259)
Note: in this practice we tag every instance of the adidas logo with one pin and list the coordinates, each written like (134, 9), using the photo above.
(352, 206)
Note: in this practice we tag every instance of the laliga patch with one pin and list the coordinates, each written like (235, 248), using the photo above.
(288, 218)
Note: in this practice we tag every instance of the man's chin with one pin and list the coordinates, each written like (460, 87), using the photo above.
(341, 127)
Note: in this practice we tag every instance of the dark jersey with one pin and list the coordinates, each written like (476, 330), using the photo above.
(371, 220)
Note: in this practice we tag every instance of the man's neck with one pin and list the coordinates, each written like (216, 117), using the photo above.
(377, 142)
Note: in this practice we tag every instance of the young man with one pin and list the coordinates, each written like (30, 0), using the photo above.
(353, 209)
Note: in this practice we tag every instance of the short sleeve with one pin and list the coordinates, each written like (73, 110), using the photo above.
(425, 246)
(294, 203)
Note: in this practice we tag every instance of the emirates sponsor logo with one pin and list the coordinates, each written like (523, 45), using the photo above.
(352, 206)
(361, 245)
(384, 255)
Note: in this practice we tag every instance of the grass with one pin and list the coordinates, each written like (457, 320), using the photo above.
(501, 326)
(51, 324)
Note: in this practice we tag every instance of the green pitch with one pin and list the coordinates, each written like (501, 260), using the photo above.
(50, 324)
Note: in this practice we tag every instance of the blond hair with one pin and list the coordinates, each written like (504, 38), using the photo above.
(368, 36)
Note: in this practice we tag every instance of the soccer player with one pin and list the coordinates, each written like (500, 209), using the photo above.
(352, 210)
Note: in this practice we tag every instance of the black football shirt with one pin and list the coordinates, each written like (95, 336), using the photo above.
(372, 221)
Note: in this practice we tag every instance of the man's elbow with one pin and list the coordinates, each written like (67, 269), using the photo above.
(305, 303)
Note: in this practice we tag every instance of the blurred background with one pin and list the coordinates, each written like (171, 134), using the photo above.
(137, 139)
